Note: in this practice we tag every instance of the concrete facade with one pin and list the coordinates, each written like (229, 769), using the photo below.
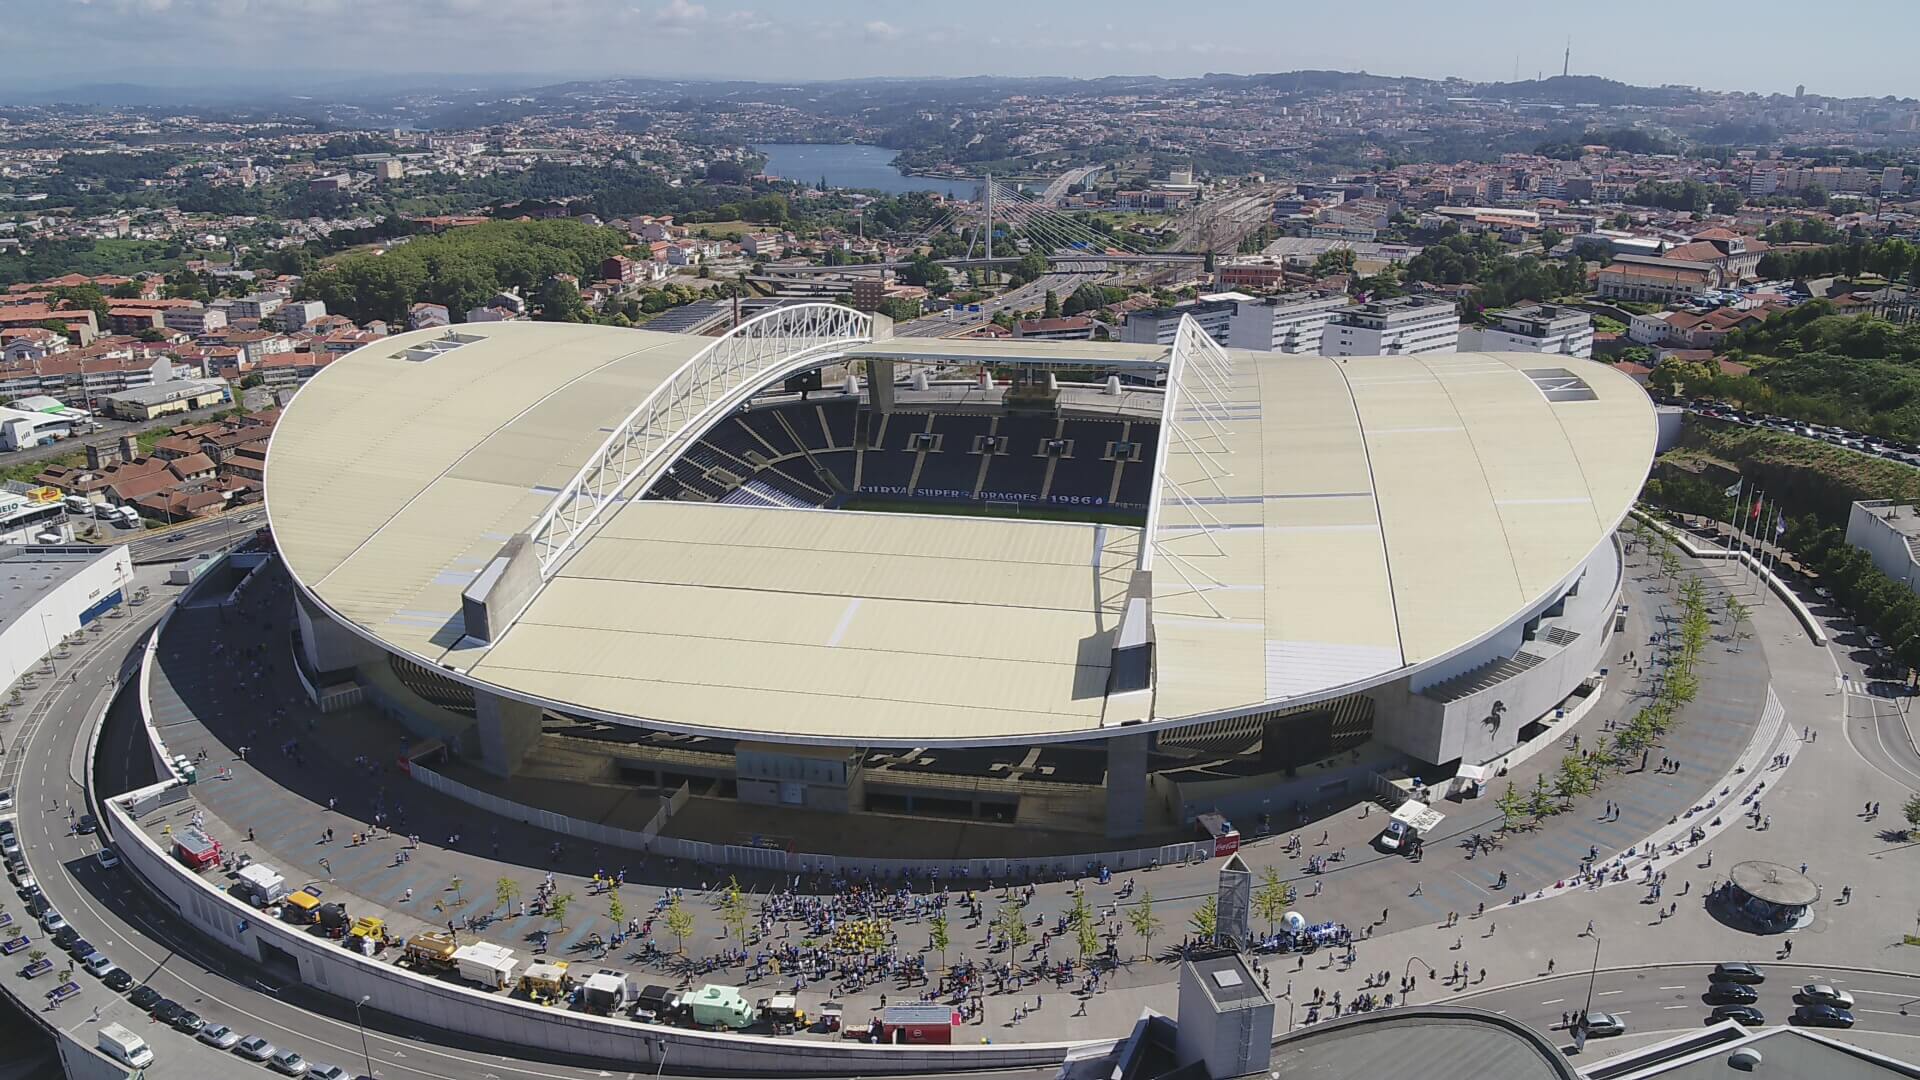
(1888, 533)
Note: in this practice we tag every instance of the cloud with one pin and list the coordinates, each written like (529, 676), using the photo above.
(881, 31)
(680, 15)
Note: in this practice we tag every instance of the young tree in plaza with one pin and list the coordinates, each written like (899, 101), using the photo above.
(1512, 806)
(504, 891)
(1012, 924)
(735, 913)
(1273, 898)
(679, 924)
(616, 910)
(1086, 930)
(1144, 922)
(1206, 920)
(557, 910)
(1912, 812)
(938, 936)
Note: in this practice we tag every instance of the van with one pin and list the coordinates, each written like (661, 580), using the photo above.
(125, 1047)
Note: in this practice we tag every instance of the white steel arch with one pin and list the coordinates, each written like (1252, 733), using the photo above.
(784, 338)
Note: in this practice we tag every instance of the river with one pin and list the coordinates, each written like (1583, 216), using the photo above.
(850, 165)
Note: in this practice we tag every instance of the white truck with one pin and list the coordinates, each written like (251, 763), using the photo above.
(78, 504)
(485, 963)
(128, 516)
(262, 885)
(125, 1047)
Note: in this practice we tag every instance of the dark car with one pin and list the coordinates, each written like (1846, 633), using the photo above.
(1746, 1015)
(1731, 993)
(86, 826)
(81, 949)
(1737, 973)
(117, 979)
(188, 1022)
(65, 937)
(1823, 1016)
(146, 997)
(166, 1010)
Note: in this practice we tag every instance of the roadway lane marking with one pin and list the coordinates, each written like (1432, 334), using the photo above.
(1878, 993)
(1676, 1006)
(1604, 993)
(1878, 1012)
(1555, 1001)
(1673, 988)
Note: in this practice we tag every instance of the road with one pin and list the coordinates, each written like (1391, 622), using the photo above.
(1667, 998)
(1065, 180)
(1027, 297)
(189, 540)
(105, 433)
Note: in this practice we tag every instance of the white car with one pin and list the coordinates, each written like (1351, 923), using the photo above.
(9, 844)
(26, 882)
(255, 1048)
(98, 965)
(1822, 994)
(219, 1036)
(6, 800)
(318, 1071)
(108, 860)
(288, 1062)
(53, 922)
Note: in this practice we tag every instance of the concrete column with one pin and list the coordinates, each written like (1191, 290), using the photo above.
(1127, 785)
(508, 730)
(329, 647)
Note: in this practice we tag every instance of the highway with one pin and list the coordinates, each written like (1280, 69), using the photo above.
(1667, 998)
(1065, 180)
(1027, 297)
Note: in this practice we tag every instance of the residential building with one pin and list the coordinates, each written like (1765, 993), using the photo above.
(1549, 329)
(1692, 329)
(196, 320)
(1156, 326)
(255, 305)
(388, 170)
(422, 316)
(1288, 323)
(1402, 326)
(1732, 255)
(1070, 328)
(296, 315)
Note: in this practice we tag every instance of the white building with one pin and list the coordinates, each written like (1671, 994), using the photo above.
(195, 320)
(1537, 328)
(1156, 326)
(1888, 532)
(46, 595)
(1289, 323)
(298, 314)
(255, 306)
(1402, 326)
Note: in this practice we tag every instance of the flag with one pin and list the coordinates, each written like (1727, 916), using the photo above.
(1734, 491)
(1755, 516)
(1779, 525)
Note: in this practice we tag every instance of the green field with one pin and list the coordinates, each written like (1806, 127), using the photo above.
(999, 510)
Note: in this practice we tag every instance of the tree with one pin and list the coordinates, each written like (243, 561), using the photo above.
(938, 936)
(1206, 920)
(1512, 806)
(1086, 930)
(1012, 924)
(1550, 239)
(560, 302)
(679, 923)
(1051, 310)
(1143, 921)
(616, 911)
(504, 890)
(734, 912)
(557, 910)
(1333, 261)
(1273, 898)
(1736, 616)
(1911, 812)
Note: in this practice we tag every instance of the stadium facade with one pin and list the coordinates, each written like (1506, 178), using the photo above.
(1097, 586)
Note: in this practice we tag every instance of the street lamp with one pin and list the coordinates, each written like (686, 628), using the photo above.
(1592, 973)
(364, 1052)
(1407, 973)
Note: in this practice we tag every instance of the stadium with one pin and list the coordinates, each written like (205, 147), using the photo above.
(1058, 589)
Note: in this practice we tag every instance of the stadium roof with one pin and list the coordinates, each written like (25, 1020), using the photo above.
(1360, 516)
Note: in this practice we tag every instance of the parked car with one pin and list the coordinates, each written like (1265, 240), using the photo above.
(98, 965)
(65, 937)
(1740, 972)
(83, 950)
(166, 1010)
(117, 980)
(52, 921)
(1823, 1016)
(1601, 1025)
(288, 1062)
(1731, 993)
(188, 1022)
(219, 1036)
(146, 997)
(255, 1048)
(317, 1071)
(28, 886)
(1745, 1015)
(6, 800)
(1822, 994)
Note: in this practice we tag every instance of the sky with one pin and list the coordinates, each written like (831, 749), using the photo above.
(1859, 49)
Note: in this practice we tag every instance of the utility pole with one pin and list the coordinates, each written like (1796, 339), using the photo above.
(1566, 61)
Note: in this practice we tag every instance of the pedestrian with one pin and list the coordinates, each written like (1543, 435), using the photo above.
(1549, 965)
(1589, 932)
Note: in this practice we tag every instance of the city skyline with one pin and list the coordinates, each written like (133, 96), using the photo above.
(267, 43)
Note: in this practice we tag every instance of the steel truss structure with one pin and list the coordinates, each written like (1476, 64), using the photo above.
(1199, 377)
(769, 346)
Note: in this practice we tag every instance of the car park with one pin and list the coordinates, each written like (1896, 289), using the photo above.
(145, 997)
(188, 1022)
(1731, 993)
(1823, 994)
(255, 1048)
(288, 1062)
(166, 1010)
(1603, 1025)
(1738, 972)
(219, 1036)
(1745, 1015)
(1823, 1016)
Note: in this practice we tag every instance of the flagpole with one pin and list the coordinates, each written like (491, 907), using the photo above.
(1746, 527)
(1739, 492)
(1760, 548)
(1740, 534)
